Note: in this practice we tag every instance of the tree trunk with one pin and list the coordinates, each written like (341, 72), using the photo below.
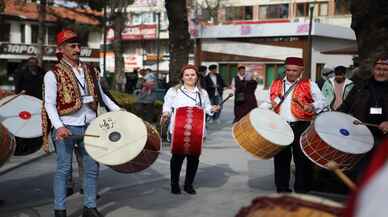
(370, 23)
(41, 31)
(117, 46)
(180, 43)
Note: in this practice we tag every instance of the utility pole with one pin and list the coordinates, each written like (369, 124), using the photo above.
(105, 35)
(158, 44)
(310, 41)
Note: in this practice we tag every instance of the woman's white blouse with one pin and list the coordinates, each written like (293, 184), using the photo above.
(180, 97)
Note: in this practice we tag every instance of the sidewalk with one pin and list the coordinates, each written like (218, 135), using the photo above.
(18, 161)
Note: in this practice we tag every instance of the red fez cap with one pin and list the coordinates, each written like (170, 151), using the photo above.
(65, 35)
(294, 61)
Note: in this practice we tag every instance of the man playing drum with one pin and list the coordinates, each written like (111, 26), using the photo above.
(368, 102)
(297, 100)
(72, 92)
(187, 93)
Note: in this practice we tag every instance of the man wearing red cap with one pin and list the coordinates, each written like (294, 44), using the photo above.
(72, 92)
(297, 100)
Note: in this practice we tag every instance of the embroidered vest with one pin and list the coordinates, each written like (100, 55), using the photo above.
(300, 96)
(68, 93)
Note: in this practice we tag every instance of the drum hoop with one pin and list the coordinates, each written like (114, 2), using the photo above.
(315, 161)
(244, 148)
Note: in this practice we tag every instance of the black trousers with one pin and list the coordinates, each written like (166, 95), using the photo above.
(176, 166)
(303, 166)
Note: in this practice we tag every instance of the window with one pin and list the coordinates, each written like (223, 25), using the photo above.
(6, 29)
(22, 33)
(51, 34)
(342, 7)
(320, 9)
(34, 34)
(239, 13)
(273, 11)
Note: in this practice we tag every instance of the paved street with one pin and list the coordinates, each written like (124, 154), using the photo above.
(228, 178)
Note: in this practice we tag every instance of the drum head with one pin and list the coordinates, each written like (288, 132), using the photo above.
(22, 116)
(122, 136)
(271, 126)
(337, 130)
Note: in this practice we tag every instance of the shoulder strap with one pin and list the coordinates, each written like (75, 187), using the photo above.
(286, 93)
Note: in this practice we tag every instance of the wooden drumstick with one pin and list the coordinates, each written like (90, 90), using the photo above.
(228, 97)
(13, 97)
(344, 178)
(356, 122)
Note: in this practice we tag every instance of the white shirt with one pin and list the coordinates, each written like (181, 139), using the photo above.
(82, 116)
(176, 97)
(285, 108)
(213, 77)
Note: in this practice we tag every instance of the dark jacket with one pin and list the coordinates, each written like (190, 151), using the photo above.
(244, 97)
(210, 88)
(31, 82)
(358, 103)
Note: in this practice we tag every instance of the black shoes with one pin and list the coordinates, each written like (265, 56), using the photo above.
(175, 189)
(60, 213)
(91, 212)
(189, 189)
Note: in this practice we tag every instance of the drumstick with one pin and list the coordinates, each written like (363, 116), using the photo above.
(13, 97)
(344, 178)
(228, 97)
(357, 122)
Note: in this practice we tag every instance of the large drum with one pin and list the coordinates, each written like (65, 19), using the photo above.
(122, 141)
(291, 205)
(262, 133)
(20, 114)
(7, 145)
(333, 136)
(188, 131)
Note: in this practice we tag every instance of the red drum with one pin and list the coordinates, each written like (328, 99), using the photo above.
(333, 136)
(188, 131)
(7, 145)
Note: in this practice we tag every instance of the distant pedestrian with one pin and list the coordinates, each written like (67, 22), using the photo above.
(244, 86)
(214, 85)
(337, 89)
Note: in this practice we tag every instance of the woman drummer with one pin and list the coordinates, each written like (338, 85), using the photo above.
(187, 93)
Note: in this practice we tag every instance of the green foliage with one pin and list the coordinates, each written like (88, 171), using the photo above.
(129, 102)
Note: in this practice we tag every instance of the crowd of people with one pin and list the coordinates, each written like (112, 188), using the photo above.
(72, 90)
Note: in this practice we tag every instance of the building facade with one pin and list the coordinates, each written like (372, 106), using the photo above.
(19, 38)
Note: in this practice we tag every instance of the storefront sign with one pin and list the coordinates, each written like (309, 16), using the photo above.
(25, 49)
(135, 32)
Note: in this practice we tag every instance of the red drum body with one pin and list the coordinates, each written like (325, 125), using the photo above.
(7, 145)
(146, 157)
(333, 136)
(188, 131)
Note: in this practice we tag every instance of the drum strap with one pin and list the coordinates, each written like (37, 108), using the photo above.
(286, 93)
(195, 100)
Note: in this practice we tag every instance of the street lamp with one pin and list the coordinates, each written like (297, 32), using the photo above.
(310, 47)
